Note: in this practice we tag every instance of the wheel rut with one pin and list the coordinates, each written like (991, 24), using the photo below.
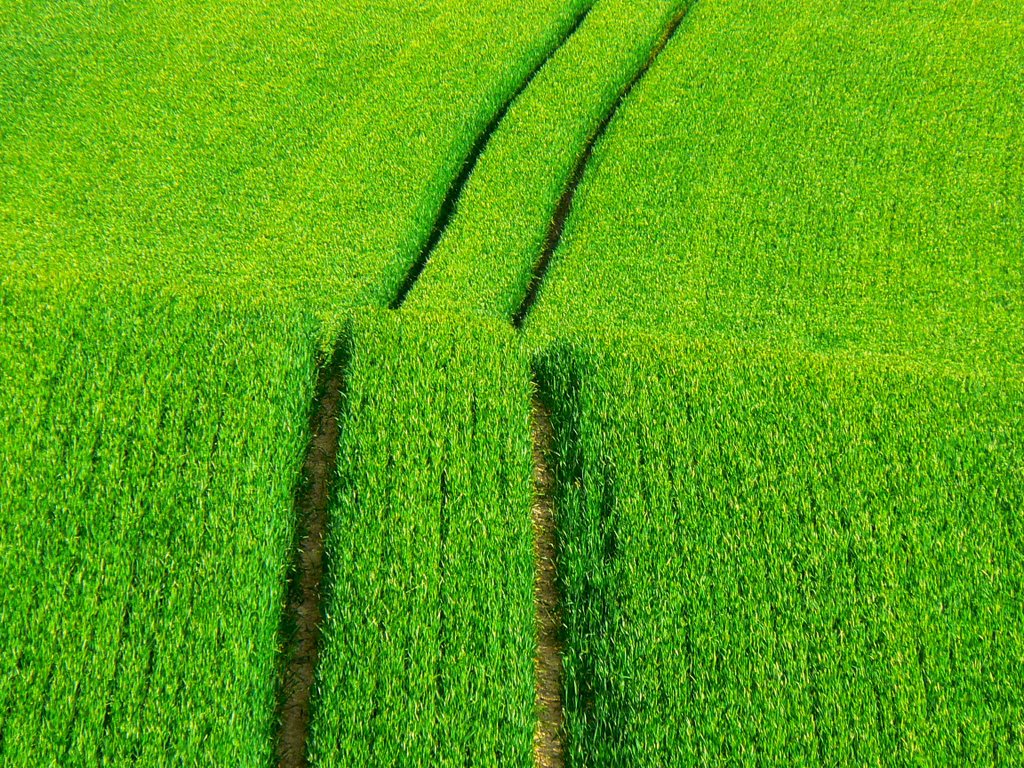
(303, 614)
(451, 200)
(548, 739)
(564, 206)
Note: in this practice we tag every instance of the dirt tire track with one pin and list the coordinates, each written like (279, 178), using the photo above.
(564, 205)
(301, 621)
(451, 200)
(549, 738)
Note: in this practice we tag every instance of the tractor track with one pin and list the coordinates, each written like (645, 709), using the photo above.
(564, 205)
(303, 614)
(548, 739)
(549, 735)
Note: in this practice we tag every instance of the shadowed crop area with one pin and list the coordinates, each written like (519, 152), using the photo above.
(811, 558)
(449, 383)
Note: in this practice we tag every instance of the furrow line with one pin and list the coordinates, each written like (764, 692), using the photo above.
(301, 620)
(548, 739)
(451, 200)
(564, 205)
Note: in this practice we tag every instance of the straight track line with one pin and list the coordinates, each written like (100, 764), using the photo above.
(549, 737)
(301, 620)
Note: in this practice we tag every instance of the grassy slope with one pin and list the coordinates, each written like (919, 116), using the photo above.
(249, 146)
(794, 532)
(850, 184)
(769, 558)
(147, 523)
(151, 142)
(185, 152)
(484, 261)
(429, 638)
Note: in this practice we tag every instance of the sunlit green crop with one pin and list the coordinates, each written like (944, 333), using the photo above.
(782, 340)
(780, 337)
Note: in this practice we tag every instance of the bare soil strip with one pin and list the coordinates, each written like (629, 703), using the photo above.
(300, 624)
(564, 206)
(548, 739)
(451, 200)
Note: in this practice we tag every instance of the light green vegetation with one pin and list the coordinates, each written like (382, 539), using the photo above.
(791, 496)
(149, 449)
(150, 141)
(821, 175)
(429, 635)
(252, 147)
(788, 559)
(486, 257)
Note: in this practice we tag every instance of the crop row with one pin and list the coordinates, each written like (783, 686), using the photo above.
(429, 631)
(782, 344)
(788, 497)
(151, 452)
(153, 158)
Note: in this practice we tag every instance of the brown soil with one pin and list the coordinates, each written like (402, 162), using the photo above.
(548, 740)
(301, 621)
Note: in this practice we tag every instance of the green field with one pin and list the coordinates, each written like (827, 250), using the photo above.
(762, 260)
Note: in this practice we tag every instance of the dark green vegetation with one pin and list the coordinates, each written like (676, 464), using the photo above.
(150, 447)
(788, 559)
(781, 339)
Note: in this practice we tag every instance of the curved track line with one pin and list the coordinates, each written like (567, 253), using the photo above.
(301, 620)
(451, 200)
(562, 209)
